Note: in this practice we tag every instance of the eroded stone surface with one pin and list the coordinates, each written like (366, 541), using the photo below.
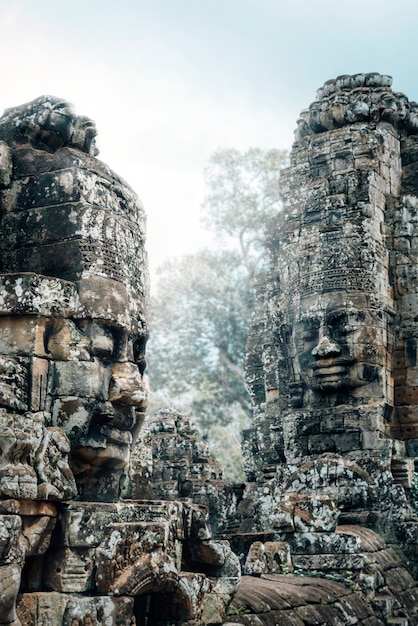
(73, 396)
(331, 361)
(106, 521)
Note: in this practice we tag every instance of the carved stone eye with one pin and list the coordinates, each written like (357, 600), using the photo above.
(310, 329)
(339, 324)
(102, 342)
(310, 334)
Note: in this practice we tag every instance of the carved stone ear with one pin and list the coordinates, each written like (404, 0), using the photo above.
(296, 394)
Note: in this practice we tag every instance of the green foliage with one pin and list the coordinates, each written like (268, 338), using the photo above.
(243, 194)
(240, 610)
(199, 326)
(201, 312)
(200, 320)
(298, 571)
(346, 578)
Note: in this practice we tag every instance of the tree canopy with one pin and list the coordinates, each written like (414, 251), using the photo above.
(202, 309)
(243, 194)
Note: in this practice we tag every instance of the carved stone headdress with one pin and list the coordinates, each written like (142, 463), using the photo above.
(66, 215)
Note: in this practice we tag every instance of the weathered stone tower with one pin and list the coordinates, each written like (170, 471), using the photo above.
(80, 543)
(332, 354)
(106, 521)
(331, 361)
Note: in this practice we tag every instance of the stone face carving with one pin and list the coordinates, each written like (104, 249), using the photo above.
(67, 216)
(183, 468)
(72, 333)
(34, 459)
(105, 522)
(48, 123)
(332, 308)
(331, 355)
(73, 395)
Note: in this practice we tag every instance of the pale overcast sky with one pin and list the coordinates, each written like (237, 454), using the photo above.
(170, 81)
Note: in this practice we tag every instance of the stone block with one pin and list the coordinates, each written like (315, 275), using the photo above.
(372, 440)
(130, 552)
(270, 557)
(281, 517)
(333, 423)
(317, 444)
(70, 571)
(409, 599)
(52, 608)
(316, 513)
(411, 377)
(38, 383)
(399, 579)
(11, 548)
(326, 562)
(29, 293)
(77, 378)
(28, 508)
(214, 609)
(409, 303)
(14, 382)
(406, 395)
(304, 513)
(22, 335)
(104, 298)
(342, 160)
(86, 524)
(409, 430)
(166, 489)
(41, 226)
(387, 559)
(6, 165)
(323, 543)
(412, 447)
(345, 442)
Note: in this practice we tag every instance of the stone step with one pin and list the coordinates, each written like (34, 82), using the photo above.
(383, 604)
(398, 621)
(326, 562)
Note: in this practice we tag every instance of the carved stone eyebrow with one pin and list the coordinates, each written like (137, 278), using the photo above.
(336, 316)
(310, 321)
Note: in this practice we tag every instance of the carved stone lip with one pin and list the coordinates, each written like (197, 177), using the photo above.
(328, 366)
(117, 436)
(331, 374)
(108, 447)
(330, 370)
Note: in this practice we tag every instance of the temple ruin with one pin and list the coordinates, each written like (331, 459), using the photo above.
(110, 517)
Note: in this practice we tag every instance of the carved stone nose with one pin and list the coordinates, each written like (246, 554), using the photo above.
(326, 347)
(127, 386)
